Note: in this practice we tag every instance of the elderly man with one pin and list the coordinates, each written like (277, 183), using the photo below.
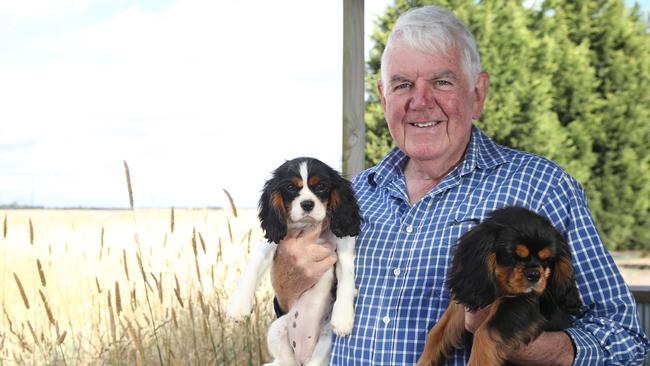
(443, 176)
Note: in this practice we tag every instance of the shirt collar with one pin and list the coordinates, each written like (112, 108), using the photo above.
(482, 153)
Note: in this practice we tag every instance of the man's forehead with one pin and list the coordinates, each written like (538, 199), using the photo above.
(404, 55)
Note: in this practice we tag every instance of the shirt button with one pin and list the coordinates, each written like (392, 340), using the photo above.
(386, 319)
(396, 271)
(409, 229)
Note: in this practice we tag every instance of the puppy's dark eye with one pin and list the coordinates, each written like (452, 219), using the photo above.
(291, 188)
(320, 188)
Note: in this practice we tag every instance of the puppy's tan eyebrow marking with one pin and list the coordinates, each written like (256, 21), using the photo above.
(544, 254)
(522, 251)
(297, 181)
(313, 180)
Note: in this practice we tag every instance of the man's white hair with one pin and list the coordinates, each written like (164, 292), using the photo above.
(432, 29)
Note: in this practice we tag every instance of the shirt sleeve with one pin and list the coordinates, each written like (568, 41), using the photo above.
(608, 330)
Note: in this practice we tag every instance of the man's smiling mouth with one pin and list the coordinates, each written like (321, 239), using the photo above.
(425, 124)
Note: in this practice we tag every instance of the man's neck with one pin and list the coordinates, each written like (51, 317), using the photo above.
(422, 177)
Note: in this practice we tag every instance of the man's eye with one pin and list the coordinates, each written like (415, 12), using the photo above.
(444, 84)
(401, 86)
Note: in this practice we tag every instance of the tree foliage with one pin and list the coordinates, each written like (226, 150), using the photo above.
(569, 81)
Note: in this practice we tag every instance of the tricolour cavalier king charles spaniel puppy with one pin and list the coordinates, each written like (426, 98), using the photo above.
(302, 193)
(518, 262)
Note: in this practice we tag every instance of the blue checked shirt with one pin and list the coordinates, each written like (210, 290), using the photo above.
(404, 251)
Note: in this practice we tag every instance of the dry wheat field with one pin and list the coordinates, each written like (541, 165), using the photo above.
(127, 287)
(130, 287)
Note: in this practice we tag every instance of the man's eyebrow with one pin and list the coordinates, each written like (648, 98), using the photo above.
(446, 74)
(398, 78)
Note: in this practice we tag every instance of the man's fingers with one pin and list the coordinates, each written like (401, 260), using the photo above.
(323, 265)
(292, 234)
(473, 319)
(319, 252)
(331, 260)
(330, 246)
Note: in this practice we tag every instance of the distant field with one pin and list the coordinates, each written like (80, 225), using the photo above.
(124, 287)
(87, 298)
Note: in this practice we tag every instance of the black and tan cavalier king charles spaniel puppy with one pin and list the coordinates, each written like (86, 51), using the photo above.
(301, 194)
(518, 262)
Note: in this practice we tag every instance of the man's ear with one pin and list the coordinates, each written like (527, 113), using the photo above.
(380, 91)
(480, 93)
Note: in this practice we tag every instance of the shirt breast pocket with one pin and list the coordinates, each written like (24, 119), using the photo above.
(464, 223)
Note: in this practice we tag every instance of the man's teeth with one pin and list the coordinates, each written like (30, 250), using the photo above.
(426, 124)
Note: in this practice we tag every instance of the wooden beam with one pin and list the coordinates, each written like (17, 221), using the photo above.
(353, 88)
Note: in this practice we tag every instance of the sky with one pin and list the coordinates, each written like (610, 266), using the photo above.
(196, 96)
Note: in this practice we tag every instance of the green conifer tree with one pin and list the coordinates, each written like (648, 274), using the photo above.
(620, 53)
(568, 81)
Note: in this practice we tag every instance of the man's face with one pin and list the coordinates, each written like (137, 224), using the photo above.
(429, 103)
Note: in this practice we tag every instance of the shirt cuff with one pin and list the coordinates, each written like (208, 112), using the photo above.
(587, 348)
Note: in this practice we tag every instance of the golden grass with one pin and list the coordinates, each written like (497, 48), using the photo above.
(143, 292)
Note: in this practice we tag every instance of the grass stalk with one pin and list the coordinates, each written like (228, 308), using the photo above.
(48, 310)
(21, 290)
(126, 264)
(31, 232)
(118, 299)
(41, 274)
(137, 241)
(172, 221)
(101, 241)
(232, 202)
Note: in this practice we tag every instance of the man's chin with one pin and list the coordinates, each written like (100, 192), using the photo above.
(424, 153)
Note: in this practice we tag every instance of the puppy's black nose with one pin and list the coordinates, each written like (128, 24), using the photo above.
(307, 205)
(532, 275)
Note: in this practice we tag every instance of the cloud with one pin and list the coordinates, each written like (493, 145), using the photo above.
(40, 9)
(197, 96)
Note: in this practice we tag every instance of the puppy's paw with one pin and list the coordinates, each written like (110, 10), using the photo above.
(239, 308)
(342, 318)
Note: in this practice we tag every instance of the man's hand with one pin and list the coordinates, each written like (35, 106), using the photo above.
(473, 319)
(549, 348)
(299, 263)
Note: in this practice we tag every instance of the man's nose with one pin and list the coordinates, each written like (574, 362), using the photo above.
(422, 96)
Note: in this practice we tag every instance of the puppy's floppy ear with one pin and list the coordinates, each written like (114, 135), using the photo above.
(345, 218)
(562, 283)
(470, 277)
(272, 212)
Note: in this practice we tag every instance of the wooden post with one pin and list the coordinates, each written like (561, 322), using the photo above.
(353, 88)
